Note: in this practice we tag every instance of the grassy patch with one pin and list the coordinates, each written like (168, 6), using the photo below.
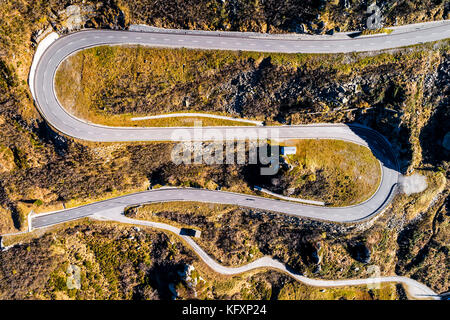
(376, 31)
(336, 172)
(296, 291)
(7, 159)
(111, 85)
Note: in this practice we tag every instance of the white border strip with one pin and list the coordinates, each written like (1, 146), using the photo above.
(318, 203)
(42, 46)
(194, 114)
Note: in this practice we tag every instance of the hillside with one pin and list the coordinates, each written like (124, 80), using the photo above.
(402, 93)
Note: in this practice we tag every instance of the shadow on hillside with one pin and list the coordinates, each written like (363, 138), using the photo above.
(432, 136)
(165, 277)
(379, 147)
(51, 136)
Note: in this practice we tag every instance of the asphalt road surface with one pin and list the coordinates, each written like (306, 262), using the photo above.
(61, 120)
(42, 85)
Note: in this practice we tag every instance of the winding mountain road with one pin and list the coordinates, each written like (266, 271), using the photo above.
(42, 88)
(413, 288)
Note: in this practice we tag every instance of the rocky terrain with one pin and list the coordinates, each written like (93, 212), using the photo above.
(108, 262)
(103, 261)
(397, 242)
(307, 16)
(402, 93)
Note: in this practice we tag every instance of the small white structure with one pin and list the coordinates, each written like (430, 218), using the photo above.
(197, 233)
(288, 150)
